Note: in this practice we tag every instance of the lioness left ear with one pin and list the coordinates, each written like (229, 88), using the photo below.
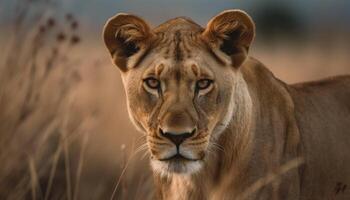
(231, 32)
(125, 35)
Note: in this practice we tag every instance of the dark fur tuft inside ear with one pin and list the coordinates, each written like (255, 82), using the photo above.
(227, 45)
(130, 49)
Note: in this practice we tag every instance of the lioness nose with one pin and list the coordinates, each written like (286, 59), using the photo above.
(177, 138)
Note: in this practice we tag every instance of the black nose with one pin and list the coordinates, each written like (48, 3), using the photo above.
(177, 138)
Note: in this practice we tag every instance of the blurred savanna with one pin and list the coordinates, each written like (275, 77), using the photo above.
(65, 131)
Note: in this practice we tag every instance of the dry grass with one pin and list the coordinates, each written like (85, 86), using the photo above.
(64, 130)
(46, 124)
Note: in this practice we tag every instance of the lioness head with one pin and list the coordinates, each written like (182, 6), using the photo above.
(180, 81)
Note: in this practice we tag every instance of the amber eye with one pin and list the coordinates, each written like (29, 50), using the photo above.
(203, 84)
(152, 83)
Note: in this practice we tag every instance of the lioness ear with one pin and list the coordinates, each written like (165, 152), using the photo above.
(124, 36)
(231, 32)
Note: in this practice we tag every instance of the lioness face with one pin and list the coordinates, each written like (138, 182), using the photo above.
(179, 104)
(179, 80)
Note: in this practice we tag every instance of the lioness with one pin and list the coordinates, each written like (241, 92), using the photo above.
(219, 125)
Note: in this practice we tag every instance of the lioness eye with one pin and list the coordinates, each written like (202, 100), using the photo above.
(203, 84)
(152, 83)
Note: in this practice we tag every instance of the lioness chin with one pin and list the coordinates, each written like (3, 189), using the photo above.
(218, 123)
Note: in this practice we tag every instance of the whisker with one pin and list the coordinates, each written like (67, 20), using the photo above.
(196, 142)
(142, 139)
(215, 146)
(218, 146)
(141, 148)
(144, 155)
(159, 143)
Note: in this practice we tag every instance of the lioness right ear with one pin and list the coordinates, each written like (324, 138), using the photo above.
(231, 32)
(125, 35)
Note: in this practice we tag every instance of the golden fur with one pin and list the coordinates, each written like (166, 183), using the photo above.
(244, 125)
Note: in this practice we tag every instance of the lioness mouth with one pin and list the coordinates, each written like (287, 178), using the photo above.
(178, 157)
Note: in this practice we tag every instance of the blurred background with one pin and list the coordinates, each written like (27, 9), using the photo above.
(64, 128)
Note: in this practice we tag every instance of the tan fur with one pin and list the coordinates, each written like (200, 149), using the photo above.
(246, 126)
